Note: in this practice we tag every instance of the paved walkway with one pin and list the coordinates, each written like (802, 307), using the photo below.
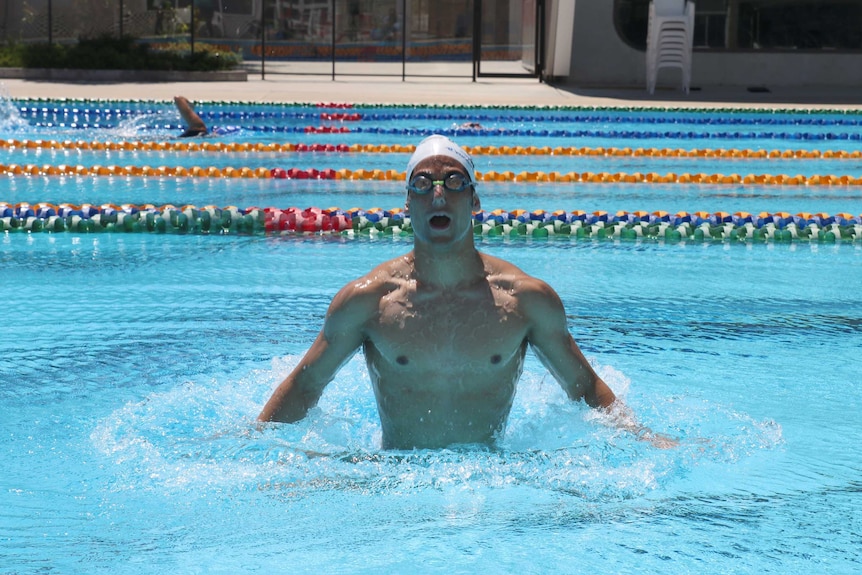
(446, 91)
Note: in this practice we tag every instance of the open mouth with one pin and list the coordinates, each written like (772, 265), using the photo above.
(439, 222)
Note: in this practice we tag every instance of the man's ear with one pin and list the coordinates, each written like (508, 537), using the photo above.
(477, 204)
(407, 204)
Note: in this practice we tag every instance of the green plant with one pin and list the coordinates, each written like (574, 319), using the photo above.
(118, 53)
(11, 56)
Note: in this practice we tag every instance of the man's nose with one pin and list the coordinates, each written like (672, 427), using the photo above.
(438, 194)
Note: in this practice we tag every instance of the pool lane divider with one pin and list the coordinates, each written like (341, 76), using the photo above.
(622, 225)
(245, 104)
(76, 114)
(537, 116)
(492, 132)
(33, 170)
(611, 151)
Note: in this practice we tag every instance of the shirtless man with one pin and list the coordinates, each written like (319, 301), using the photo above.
(444, 328)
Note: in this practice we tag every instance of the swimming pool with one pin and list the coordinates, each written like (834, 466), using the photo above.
(133, 365)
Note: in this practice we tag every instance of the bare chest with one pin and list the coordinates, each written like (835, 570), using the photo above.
(482, 326)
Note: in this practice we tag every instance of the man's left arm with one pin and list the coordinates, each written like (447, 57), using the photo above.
(550, 338)
(559, 353)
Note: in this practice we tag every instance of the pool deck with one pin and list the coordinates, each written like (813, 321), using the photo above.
(427, 90)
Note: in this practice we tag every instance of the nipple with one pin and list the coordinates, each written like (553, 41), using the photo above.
(402, 360)
(495, 359)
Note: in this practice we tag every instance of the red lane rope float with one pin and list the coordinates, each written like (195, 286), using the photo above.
(244, 147)
(29, 170)
(356, 222)
(326, 130)
(341, 117)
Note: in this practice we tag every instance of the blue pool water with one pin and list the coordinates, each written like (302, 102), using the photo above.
(133, 366)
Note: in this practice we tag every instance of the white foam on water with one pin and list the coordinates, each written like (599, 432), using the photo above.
(140, 126)
(204, 435)
(10, 118)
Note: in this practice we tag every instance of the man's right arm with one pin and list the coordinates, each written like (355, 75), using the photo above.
(340, 338)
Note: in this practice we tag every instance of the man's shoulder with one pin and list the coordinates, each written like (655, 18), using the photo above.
(534, 295)
(508, 274)
(375, 284)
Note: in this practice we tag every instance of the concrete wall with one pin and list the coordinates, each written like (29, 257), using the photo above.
(601, 59)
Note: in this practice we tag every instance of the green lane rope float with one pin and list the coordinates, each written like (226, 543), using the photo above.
(375, 222)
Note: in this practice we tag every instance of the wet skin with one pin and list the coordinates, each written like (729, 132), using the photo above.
(444, 363)
(444, 330)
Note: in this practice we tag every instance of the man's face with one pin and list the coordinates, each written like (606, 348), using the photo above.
(441, 216)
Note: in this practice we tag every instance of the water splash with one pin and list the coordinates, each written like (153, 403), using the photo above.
(10, 118)
(204, 434)
(156, 126)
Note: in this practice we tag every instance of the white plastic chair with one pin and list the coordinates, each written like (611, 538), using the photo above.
(669, 40)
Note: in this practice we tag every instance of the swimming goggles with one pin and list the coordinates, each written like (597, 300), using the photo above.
(453, 182)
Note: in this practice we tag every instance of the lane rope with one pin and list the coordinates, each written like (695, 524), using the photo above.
(448, 115)
(496, 132)
(357, 222)
(718, 110)
(33, 170)
(261, 147)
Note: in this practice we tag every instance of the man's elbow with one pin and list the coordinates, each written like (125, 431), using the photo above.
(289, 408)
(281, 415)
(600, 396)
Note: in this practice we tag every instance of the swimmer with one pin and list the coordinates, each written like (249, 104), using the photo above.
(445, 328)
(470, 126)
(194, 125)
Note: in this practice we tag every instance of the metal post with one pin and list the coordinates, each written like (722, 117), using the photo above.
(332, 39)
(193, 25)
(263, 40)
(50, 22)
(121, 18)
(477, 36)
(540, 39)
(403, 40)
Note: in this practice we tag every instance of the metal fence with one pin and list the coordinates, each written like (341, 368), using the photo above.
(320, 37)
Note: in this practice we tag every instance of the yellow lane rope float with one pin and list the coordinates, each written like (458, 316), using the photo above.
(23, 217)
(245, 147)
(30, 170)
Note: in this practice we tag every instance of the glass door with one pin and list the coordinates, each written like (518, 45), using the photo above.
(508, 37)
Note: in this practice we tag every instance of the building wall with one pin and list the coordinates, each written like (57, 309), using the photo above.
(600, 58)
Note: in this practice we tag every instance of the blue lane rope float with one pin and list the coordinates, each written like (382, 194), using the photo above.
(494, 132)
(708, 117)
(699, 119)
(356, 222)
(610, 134)
(140, 105)
(175, 127)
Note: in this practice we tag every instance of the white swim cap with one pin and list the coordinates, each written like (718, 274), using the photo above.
(438, 145)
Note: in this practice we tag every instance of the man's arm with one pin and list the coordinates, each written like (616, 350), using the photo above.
(558, 352)
(340, 338)
(550, 338)
(195, 126)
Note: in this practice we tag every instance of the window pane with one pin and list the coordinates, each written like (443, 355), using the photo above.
(800, 25)
(757, 24)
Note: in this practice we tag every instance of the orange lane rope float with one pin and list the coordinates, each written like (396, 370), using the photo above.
(246, 147)
(29, 170)
(23, 217)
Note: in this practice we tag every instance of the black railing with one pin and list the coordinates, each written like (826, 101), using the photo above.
(405, 38)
